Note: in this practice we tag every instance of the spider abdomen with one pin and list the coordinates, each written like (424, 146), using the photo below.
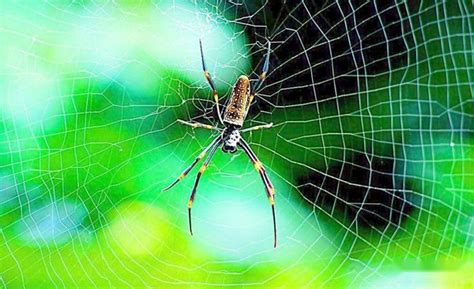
(236, 109)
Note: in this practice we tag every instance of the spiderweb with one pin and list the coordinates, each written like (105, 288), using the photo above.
(371, 149)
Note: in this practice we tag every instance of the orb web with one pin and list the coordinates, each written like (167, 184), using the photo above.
(370, 150)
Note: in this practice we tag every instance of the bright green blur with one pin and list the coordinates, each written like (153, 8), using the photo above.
(90, 94)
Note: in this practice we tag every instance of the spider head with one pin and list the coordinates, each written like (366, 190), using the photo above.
(231, 139)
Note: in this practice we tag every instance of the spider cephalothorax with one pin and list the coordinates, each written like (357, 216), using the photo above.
(233, 119)
(230, 139)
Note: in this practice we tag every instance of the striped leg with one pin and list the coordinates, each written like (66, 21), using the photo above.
(262, 76)
(186, 171)
(268, 125)
(198, 125)
(211, 83)
(196, 183)
(266, 181)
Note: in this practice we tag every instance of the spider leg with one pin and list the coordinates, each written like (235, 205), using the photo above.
(186, 171)
(266, 181)
(262, 76)
(268, 125)
(211, 83)
(196, 183)
(198, 125)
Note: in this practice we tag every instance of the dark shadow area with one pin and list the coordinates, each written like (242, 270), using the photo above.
(366, 194)
(326, 50)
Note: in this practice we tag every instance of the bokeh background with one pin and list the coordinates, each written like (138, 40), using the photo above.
(371, 152)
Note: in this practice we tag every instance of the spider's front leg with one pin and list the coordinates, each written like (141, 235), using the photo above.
(211, 83)
(263, 75)
(268, 125)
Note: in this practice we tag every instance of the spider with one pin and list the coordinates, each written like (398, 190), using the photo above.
(233, 119)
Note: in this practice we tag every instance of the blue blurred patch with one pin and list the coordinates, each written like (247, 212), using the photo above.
(52, 224)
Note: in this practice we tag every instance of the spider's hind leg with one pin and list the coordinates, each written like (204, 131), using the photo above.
(266, 182)
(196, 182)
(198, 125)
(215, 142)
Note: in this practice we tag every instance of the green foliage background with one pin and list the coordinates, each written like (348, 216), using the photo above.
(90, 95)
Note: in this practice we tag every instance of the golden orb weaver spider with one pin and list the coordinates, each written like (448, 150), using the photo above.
(234, 116)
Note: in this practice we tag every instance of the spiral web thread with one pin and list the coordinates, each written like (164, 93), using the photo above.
(371, 149)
